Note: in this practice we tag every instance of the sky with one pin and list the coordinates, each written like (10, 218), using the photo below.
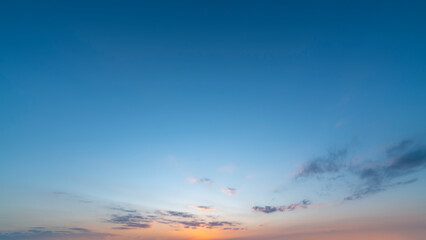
(220, 120)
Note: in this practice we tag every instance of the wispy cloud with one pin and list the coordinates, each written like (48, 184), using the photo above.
(122, 209)
(43, 233)
(171, 218)
(179, 214)
(130, 221)
(400, 161)
(69, 196)
(203, 208)
(201, 180)
(271, 209)
(330, 163)
(229, 191)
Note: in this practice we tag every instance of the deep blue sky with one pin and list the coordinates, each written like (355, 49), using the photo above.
(125, 101)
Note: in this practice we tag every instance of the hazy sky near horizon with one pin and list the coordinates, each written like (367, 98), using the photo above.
(238, 120)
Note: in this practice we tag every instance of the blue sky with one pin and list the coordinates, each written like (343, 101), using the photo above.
(162, 106)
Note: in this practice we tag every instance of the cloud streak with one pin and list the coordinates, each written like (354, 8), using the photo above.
(201, 180)
(43, 233)
(130, 221)
(330, 163)
(203, 208)
(170, 218)
(271, 209)
(400, 161)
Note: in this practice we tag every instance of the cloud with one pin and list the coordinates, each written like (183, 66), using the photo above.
(399, 161)
(206, 224)
(60, 193)
(402, 160)
(371, 189)
(203, 208)
(235, 229)
(170, 218)
(271, 209)
(69, 196)
(201, 180)
(229, 191)
(180, 214)
(131, 221)
(219, 224)
(43, 233)
(330, 163)
(122, 209)
(399, 147)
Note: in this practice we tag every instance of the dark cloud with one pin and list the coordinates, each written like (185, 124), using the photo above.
(206, 224)
(131, 221)
(399, 147)
(408, 161)
(266, 209)
(400, 160)
(171, 218)
(43, 233)
(180, 214)
(331, 163)
(271, 209)
(220, 224)
(193, 223)
(235, 229)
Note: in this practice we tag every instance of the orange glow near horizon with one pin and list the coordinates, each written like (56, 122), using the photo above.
(202, 234)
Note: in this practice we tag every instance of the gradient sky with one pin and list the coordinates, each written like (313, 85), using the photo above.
(240, 120)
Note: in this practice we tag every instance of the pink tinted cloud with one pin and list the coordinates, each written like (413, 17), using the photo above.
(229, 191)
(203, 208)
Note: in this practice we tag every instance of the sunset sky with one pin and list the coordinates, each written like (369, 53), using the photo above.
(187, 120)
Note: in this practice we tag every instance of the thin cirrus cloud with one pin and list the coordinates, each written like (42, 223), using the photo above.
(171, 218)
(229, 191)
(72, 197)
(130, 221)
(200, 180)
(45, 233)
(400, 161)
(203, 208)
(123, 209)
(271, 209)
(178, 214)
(330, 163)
